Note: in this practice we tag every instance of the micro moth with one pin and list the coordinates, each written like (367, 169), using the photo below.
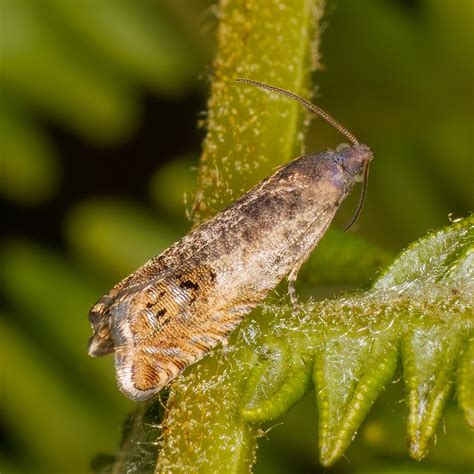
(180, 304)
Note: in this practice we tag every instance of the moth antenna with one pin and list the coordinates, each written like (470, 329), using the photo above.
(305, 103)
(363, 193)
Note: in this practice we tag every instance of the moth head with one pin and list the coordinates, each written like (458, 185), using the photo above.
(354, 160)
(101, 342)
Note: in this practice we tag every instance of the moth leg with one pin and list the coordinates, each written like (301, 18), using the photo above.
(292, 278)
(294, 275)
(225, 347)
(292, 292)
(305, 252)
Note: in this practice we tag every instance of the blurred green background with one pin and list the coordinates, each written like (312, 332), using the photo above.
(99, 146)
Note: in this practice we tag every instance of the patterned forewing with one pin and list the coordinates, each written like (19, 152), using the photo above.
(164, 330)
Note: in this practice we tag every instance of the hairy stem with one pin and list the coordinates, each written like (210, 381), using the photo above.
(249, 133)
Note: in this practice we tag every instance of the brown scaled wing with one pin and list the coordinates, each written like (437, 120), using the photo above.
(165, 326)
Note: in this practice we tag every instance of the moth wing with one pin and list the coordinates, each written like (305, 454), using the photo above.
(163, 328)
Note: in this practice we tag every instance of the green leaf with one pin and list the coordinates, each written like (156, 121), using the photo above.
(171, 185)
(423, 302)
(430, 353)
(273, 387)
(351, 368)
(342, 258)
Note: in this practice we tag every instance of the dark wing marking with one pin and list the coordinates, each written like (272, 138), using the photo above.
(142, 373)
(154, 331)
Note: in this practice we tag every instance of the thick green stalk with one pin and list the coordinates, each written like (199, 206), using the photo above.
(249, 133)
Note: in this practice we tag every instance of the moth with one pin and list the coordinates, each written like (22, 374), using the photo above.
(180, 304)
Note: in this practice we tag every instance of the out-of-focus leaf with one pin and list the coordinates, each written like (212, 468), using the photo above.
(384, 434)
(44, 412)
(343, 259)
(138, 40)
(7, 466)
(55, 298)
(450, 148)
(418, 199)
(38, 69)
(28, 162)
(171, 186)
(114, 237)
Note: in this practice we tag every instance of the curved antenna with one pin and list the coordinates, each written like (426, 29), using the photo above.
(308, 105)
(365, 177)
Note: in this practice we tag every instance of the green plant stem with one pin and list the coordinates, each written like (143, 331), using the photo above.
(249, 133)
